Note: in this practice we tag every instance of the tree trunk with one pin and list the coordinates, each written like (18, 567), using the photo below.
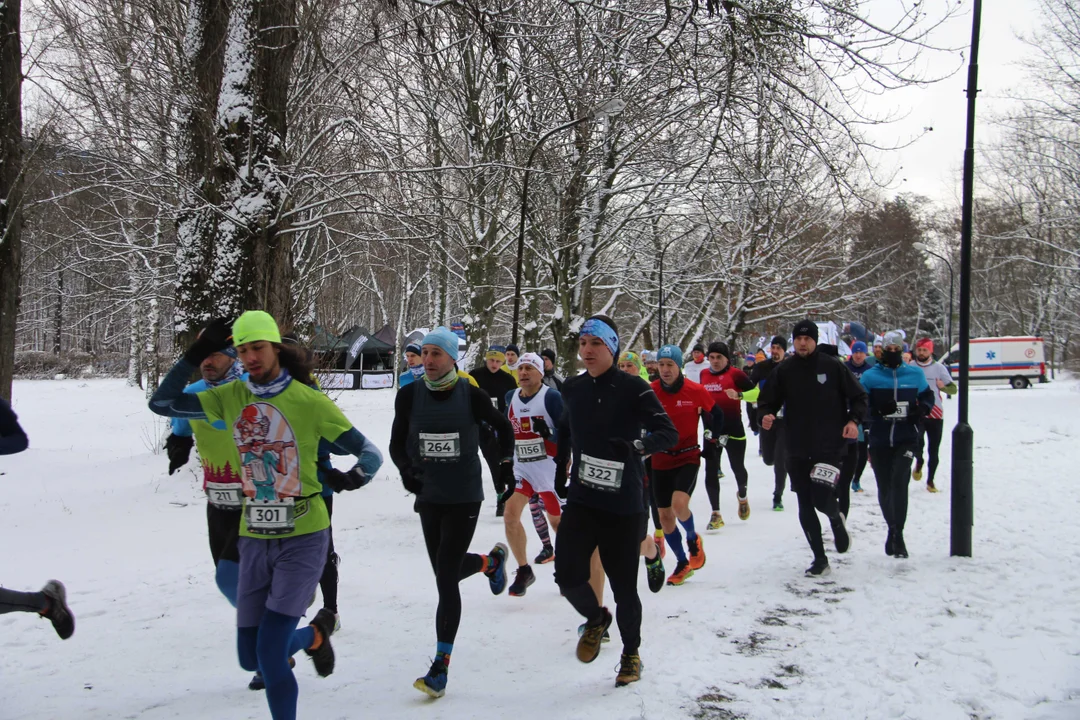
(10, 185)
(254, 268)
(197, 221)
(58, 312)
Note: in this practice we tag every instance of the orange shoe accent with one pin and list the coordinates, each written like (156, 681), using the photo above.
(697, 554)
(318, 638)
(682, 572)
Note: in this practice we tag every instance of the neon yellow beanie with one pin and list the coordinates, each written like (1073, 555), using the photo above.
(255, 325)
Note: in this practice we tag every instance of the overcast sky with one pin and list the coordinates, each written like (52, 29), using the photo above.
(932, 166)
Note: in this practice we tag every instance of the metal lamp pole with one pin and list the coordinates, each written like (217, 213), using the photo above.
(963, 508)
(608, 109)
(663, 251)
(952, 277)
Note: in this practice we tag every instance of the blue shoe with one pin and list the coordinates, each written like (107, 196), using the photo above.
(856, 486)
(434, 683)
(496, 575)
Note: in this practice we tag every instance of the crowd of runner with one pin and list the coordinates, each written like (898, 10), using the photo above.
(593, 456)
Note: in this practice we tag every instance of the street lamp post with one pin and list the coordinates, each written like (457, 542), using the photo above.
(664, 250)
(948, 320)
(608, 109)
(963, 508)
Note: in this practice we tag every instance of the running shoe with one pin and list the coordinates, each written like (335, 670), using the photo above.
(841, 538)
(257, 682)
(715, 522)
(889, 542)
(654, 571)
(581, 630)
(337, 622)
(523, 578)
(856, 486)
(819, 568)
(682, 571)
(546, 555)
(697, 553)
(916, 474)
(58, 612)
(629, 670)
(777, 505)
(500, 509)
(930, 486)
(323, 656)
(434, 683)
(496, 574)
(744, 508)
(588, 646)
(899, 548)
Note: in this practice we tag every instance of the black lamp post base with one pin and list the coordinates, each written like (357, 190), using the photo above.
(963, 508)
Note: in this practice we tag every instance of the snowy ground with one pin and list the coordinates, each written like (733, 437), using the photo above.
(994, 636)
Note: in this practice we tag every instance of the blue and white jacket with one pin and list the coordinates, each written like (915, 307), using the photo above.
(903, 389)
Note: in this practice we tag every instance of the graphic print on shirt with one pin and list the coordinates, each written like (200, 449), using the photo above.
(268, 453)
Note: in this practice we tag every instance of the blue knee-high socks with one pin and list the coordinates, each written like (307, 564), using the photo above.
(688, 526)
(227, 578)
(267, 648)
(674, 541)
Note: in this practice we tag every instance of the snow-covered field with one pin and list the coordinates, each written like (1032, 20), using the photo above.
(994, 636)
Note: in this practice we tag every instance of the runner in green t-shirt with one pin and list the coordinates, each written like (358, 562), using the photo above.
(276, 419)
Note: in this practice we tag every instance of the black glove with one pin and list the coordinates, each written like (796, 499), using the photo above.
(888, 407)
(507, 494)
(506, 480)
(215, 337)
(339, 481)
(487, 435)
(178, 448)
(622, 446)
(413, 480)
(560, 480)
(707, 419)
(540, 427)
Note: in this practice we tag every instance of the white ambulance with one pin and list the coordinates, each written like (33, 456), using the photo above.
(1018, 361)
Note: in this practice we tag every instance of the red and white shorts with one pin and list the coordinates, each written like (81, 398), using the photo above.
(552, 505)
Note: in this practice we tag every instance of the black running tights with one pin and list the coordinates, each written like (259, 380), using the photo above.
(774, 453)
(328, 583)
(813, 498)
(448, 530)
(736, 452)
(933, 429)
(892, 470)
(581, 531)
(15, 601)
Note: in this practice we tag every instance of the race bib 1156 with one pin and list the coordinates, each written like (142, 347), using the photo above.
(531, 450)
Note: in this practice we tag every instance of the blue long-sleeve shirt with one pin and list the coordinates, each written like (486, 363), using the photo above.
(172, 400)
(907, 387)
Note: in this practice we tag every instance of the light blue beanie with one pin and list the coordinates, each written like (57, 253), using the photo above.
(442, 337)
